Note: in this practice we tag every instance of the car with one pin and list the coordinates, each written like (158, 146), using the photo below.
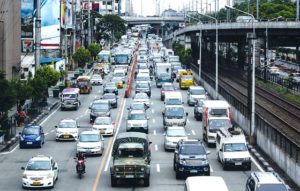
(142, 65)
(118, 81)
(90, 143)
(265, 181)
(99, 108)
(195, 93)
(112, 99)
(143, 87)
(32, 136)
(120, 73)
(40, 172)
(173, 135)
(190, 158)
(198, 109)
(110, 87)
(96, 79)
(166, 87)
(137, 120)
(67, 129)
(174, 115)
(142, 77)
(104, 126)
(142, 97)
(138, 106)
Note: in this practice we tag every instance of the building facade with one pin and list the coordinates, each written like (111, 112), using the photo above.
(10, 37)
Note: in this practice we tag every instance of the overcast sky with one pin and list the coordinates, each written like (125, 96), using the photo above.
(148, 7)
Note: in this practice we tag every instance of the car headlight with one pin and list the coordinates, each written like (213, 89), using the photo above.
(38, 138)
(142, 169)
(204, 162)
(50, 175)
(25, 176)
(117, 169)
(182, 161)
(228, 159)
(247, 159)
(205, 169)
(21, 138)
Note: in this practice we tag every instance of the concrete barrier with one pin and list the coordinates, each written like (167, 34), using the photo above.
(131, 74)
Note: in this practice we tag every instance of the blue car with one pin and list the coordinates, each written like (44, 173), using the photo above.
(32, 136)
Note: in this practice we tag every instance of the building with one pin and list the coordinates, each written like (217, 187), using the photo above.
(10, 41)
(171, 13)
(238, 1)
(104, 6)
(128, 8)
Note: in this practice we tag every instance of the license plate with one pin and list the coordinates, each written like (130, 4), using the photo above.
(238, 163)
(29, 143)
(102, 132)
(193, 171)
(36, 183)
(88, 151)
(129, 176)
(66, 136)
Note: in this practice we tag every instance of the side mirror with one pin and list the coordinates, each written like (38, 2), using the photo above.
(176, 151)
(78, 126)
(148, 118)
(164, 134)
(20, 133)
(150, 142)
(221, 150)
(183, 102)
(163, 113)
(187, 113)
(22, 168)
(207, 152)
(90, 107)
(55, 168)
(55, 126)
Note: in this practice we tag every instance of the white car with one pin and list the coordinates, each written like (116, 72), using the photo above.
(41, 171)
(96, 79)
(142, 97)
(173, 135)
(137, 120)
(194, 94)
(90, 143)
(104, 126)
(67, 129)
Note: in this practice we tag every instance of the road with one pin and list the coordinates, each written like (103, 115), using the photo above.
(97, 168)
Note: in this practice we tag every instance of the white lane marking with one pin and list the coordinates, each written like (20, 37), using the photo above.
(116, 133)
(153, 120)
(95, 97)
(193, 132)
(154, 132)
(46, 133)
(157, 168)
(49, 116)
(188, 121)
(86, 111)
(152, 103)
(211, 169)
(256, 163)
(156, 148)
(152, 110)
(52, 130)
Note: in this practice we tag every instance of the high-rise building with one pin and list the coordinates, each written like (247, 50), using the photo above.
(103, 6)
(10, 41)
(239, 1)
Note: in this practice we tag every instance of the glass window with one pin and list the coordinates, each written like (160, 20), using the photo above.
(197, 91)
(234, 147)
(67, 124)
(100, 106)
(192, 150)
(216, 124)
(273, 187)
(103, 121)
(137, 116)
(31, 131)
(89, 138)
(176, 133)
(38, 165)
(175, 111)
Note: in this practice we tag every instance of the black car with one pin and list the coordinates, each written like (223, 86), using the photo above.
(99, 108)
(143, 87)
(112, 99)
(190, 158)
(198, 110)
(110, 87)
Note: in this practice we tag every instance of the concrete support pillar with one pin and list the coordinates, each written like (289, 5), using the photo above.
(187, 42)
(241, 54)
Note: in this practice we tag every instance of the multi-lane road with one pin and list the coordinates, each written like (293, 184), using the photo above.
(97, 175)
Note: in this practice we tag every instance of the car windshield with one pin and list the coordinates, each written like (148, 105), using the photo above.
(117, 80)
(38, 165)
(119, 74)
(142, 85)
(164, 75)
(100, 106)
(216, 124)
(89, 138)
(273, 187)
(109, 96)
(103, 121)
(168, 88)
(175, 111)
(96, 77)
(187, 77)
(67, 124)
(137, 116)
(197, 91)
(68, 96)
(192, 150)
(176, 133)
(142, 61)
(174, 101)
(136, 106)
(121, 59)
(130, 152)
(141, 96)
(233, 147)
(104, 58)
(82, 83)
(142, 78)
(31, 131)
(110, 84)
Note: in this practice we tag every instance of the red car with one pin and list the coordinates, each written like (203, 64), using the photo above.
(166, 87)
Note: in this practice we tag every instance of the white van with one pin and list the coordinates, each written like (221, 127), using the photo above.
(173, 98)
(120, 73)
(205, 183)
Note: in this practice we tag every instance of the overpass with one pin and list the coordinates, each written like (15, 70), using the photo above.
(152, 20)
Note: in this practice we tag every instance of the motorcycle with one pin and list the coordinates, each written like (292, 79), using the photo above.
(80, 167)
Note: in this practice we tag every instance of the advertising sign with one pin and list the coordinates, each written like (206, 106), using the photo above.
(27, 10)
(50, 31)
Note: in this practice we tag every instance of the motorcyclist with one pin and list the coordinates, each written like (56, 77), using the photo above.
(80, 156)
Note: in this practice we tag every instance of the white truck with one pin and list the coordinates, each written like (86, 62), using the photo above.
(216, 114)
(232, 149)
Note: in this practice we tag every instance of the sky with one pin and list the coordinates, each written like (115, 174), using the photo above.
(148, 6)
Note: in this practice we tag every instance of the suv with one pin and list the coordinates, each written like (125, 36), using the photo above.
(198, 110)
(195, 93)
(131, 158)
(143, 87)
(190, 158)
(99, 108)
(265, 181)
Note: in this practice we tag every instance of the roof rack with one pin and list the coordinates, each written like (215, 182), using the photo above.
(231, 131)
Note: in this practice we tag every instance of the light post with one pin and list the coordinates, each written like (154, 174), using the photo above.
(217, 54)
(253, 36)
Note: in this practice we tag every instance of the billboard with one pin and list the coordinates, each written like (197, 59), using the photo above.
(50, 24)
(27, 12)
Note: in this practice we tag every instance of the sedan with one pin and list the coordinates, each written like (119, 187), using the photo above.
(166, 87)
(110, 87)
(142, 97)
(96, 79)
(104, 125)
(67, 130)
(137, 121)
(40, 172)
(173, 135)
(112, 99)
(138, 106)
(90, 143)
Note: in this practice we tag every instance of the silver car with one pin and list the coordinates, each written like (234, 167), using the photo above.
(173, 135)
(137, 120)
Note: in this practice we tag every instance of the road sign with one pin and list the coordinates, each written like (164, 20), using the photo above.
(27, 46)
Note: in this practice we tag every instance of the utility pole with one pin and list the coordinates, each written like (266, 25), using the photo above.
(297, 11)
(113, 7)
(89, 22)
(257, 9)
(37, 34)
(106, 10)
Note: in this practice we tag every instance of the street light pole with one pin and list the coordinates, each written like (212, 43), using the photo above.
(200, 54)
(257, 9)
(38, 34)
(89, 22)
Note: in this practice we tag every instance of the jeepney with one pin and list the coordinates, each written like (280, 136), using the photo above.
(84, 84)
(69, 99)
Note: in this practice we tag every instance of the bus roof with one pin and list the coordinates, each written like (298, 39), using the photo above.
(70, 91)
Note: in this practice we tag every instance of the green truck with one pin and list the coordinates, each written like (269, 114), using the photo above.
(131, 158)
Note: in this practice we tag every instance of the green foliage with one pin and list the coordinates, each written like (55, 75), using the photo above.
(185, 55)
(22, 91)
(94, 49)
(112, 24)
(7, 97)
(39, 87)
(81, 56)
(48, 74)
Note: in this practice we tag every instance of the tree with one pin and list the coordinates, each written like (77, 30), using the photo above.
(94, 49)
(112, 24)
(187, 57)
(48, 74)
(39, 88)
(81, 56)
(22, 91)
(7, 97)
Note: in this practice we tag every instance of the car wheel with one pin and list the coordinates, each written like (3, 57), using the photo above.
(161, 99)
(147, 182)
(113, 181)
(174, 166)
(224, 166)
(21, 147)
(62, 109)
(178, 175)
